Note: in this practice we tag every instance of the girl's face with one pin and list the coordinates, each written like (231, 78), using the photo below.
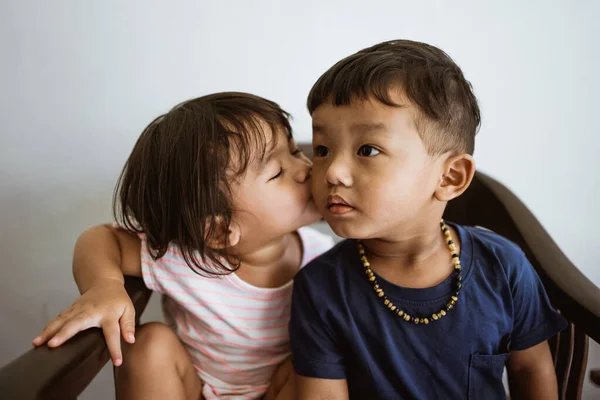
(273, 197)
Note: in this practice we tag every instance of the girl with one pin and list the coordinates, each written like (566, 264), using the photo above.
(211, 210)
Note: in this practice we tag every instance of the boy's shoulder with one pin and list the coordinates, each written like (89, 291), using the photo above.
(485, 238)
(488, 237)
(489, 249)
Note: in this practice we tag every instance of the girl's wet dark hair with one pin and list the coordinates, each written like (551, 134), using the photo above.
(176, 185)
(448, 115)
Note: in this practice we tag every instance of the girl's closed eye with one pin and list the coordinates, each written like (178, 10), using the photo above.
(295, 152)
(277, 175)
(368, 151)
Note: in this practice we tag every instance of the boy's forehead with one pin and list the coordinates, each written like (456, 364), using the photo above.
(361, 116)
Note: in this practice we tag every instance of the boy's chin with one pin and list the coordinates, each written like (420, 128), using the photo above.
(346, 230)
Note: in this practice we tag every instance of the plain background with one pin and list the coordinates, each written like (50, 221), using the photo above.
(79, 80)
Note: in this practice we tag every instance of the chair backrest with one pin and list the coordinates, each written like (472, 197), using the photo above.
(480, 206)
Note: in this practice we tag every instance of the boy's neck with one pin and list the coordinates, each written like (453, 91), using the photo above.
(420, 250)
(409, 249)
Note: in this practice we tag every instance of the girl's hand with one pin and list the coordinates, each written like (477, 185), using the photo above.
(105, 305)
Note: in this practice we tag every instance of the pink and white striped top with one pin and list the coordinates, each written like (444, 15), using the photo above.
(236, 333)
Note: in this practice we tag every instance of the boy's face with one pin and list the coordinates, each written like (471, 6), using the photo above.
(372, 174)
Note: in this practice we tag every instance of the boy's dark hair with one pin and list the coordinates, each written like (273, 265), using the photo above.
(177, 178)
(448, 117)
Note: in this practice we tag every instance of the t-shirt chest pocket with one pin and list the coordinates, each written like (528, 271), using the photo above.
(485, 376)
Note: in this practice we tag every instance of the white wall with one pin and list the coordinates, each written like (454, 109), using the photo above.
(80, 79)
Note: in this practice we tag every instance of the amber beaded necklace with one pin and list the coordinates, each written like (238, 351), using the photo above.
(403, 314)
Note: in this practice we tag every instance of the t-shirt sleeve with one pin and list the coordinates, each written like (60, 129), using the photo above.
(149, 265)
(153, 271)
(315, 350)
(535, 320)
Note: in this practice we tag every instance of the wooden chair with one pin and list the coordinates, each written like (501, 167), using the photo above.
(63, 373)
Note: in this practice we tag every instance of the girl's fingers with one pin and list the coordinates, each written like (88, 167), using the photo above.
(51, 328)
(112, 335)
(127, 323)
(73, 326)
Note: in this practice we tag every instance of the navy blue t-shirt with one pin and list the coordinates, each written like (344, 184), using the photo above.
(340, 329)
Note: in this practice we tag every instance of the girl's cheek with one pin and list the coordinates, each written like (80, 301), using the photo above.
(291, 201)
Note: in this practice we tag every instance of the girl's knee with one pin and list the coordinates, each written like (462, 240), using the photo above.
(154, 343)
(156, 362)
(155, 331)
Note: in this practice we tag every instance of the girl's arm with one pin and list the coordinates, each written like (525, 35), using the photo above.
(103, 255)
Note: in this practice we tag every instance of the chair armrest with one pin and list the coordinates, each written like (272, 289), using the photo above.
(595, 376)
(64, 372)
(579, 297)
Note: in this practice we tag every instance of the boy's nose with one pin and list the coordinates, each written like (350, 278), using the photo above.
(338, 173)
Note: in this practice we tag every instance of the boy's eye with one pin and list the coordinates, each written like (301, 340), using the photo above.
(321, 151)
(297, 151)
(278, 175)
(367, 151)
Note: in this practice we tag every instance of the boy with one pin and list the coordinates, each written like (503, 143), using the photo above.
(408, 307)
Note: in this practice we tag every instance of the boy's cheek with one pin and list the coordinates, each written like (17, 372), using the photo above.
(318, 183)
(319, 197)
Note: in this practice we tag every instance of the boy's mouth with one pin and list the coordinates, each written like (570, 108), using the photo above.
(337, 205)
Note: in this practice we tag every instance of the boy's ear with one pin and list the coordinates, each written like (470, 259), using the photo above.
(220, 236)
(456, 177)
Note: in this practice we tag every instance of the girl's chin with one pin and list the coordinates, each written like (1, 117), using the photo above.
(309, 217)
(314, 214)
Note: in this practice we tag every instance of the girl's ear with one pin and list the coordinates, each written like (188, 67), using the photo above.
(218, 235)
(456, 177)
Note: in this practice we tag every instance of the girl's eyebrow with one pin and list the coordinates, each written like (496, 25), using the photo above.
(272, 151)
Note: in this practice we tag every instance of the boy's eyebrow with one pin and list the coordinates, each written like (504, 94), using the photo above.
(317, 128)
(367, 127)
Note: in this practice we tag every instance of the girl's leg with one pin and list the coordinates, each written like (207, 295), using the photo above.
(157, 366)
